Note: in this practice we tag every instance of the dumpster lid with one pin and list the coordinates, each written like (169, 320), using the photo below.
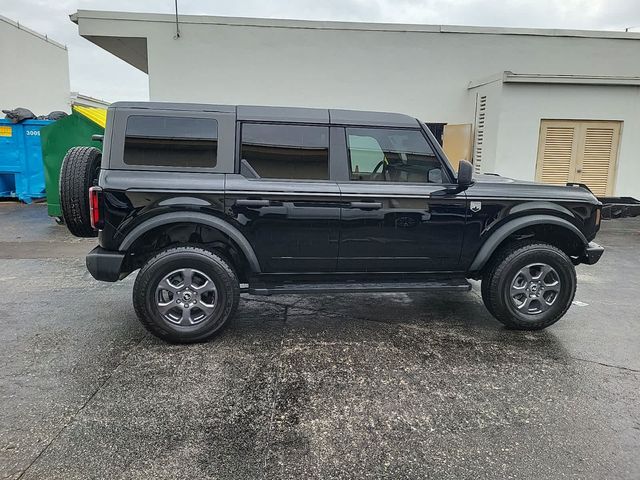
(96, 115)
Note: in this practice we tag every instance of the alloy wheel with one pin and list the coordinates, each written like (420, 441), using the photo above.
(534, 288)
(186, 297)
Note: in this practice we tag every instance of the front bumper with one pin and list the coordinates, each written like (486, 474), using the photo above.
(105, 265)
(592, 253)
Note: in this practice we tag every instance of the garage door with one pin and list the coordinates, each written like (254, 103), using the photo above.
(579, 151)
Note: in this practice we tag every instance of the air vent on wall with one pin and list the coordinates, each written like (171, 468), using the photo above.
(481, 111)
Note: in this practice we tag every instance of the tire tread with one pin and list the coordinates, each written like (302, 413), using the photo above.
(76, 176)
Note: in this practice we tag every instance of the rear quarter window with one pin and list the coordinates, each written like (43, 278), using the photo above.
(166, 141)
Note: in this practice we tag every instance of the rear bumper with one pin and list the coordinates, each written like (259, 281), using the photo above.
(592, 253)
(105, 265)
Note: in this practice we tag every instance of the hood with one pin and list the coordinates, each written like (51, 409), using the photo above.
(491, 185)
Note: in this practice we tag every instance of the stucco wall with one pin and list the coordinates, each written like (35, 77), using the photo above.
(35, 72)
(410, 69)
(423, 74)
(420, 70)
(524, 105)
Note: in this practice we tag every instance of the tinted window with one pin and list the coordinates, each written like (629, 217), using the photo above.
(171, 141)
(392, 155)
(286, 151)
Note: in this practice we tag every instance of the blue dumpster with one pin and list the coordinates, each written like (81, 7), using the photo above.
(21, 171)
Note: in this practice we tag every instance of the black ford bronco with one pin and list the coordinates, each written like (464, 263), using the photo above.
(209, 201)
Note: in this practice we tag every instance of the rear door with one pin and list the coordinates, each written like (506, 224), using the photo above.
(283, 200)
(397, 214)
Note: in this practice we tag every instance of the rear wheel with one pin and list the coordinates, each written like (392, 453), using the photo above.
(186, 294)
(78, 173)
(529, 285)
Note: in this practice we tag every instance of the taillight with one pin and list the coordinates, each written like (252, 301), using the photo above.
(95, 202)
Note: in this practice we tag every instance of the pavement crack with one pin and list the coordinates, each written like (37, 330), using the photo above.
(618, 367)
(273, 407)
(81, 408)
(270, 302)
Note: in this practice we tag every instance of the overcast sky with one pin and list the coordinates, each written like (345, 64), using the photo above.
(99, 74)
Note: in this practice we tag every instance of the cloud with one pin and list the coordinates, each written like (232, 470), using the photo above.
(97, 73)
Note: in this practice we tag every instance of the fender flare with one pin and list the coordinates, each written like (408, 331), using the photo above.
(502, 232)
(194, 217)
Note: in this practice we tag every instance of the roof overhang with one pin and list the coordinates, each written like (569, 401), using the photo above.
(81, 15)
(121, 40)
(560, 79)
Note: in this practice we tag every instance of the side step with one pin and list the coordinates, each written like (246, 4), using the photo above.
(447, 285)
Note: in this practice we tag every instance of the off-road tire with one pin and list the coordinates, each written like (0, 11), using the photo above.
(171, 259)
(79, 172)
(496, 283)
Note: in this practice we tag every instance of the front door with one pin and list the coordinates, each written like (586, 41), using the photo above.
(283, 200)
(396, 214)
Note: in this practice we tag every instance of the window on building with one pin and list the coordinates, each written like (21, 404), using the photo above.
(392, 155)
(171, 141)
(286, 151)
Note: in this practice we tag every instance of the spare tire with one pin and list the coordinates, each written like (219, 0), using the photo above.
(79, 172)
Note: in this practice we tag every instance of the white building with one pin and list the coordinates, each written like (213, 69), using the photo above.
(81, 100)
(551, 105)
(35, 70)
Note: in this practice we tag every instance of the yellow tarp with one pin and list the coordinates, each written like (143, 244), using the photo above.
(96, 115)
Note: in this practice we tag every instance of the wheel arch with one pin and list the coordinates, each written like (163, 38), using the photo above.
(569, 232)
(210, 221)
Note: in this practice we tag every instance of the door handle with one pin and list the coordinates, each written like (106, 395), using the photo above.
(248, 202)
(366, 205)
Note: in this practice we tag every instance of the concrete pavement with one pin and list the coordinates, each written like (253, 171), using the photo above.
(342, 386)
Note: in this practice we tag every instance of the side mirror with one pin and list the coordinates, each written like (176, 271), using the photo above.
(465, 175)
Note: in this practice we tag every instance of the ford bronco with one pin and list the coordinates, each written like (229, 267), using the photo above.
(209, 201)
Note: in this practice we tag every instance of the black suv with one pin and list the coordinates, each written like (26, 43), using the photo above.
(210, 201)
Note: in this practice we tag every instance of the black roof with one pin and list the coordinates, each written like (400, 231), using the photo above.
(285, 114)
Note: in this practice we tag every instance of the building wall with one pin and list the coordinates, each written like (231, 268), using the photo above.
(422, 74)
(419, 70)
(493, 92)
(35, 72)
(523, 106)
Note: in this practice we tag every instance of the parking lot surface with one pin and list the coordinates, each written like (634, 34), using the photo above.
(343, 386)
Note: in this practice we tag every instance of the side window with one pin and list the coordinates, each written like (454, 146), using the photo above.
(286, 151)
(392, 155)
(171, 141)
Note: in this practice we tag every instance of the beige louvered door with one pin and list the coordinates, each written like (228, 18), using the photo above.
(557, 152)
(599, 153)
(579, 151)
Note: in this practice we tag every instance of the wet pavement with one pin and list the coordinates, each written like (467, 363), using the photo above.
(342, 386)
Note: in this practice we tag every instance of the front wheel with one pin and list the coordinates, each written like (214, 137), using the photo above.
(530, 285)
(185, 294)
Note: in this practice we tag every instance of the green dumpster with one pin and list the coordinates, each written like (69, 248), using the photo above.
(71, 131)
